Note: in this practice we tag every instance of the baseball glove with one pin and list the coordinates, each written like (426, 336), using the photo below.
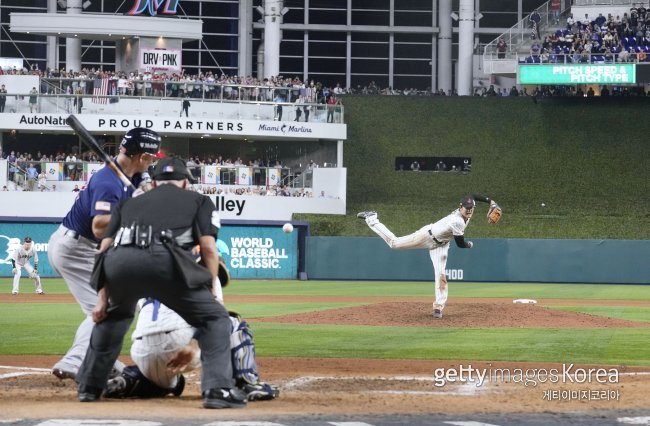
(224, 273)
(494, 213)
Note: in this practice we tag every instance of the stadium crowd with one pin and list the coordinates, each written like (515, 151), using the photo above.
(611, 39)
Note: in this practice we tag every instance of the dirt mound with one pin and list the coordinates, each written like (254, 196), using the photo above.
(479, 314)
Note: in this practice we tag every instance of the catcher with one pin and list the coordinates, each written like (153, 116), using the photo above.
(164, 347)
(435, 237)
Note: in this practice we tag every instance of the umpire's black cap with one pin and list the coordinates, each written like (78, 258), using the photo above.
(139, 140)
(467, 202)
(171, 168)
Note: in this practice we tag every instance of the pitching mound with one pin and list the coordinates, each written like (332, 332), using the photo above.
(456, 314)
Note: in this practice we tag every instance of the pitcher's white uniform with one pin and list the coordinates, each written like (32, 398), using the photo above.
(21, 258)
(434, 237)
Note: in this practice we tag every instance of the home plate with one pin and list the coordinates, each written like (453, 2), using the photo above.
(529, 301)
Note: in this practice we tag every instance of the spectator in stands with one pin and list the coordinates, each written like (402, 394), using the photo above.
(33, 100)
(604, 91)
(32, 176)
(502, 47)
(3, 98)
(4, 188)
(279, 99)
(535, 20)
(185, 107)
(555, 11)
(331, 106)
(71, 166)
(591, 93)
(42, 179)
(415, 166)
(11, 160)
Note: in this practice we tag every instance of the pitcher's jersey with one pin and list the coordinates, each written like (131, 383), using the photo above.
(449, 226)
(22, 256)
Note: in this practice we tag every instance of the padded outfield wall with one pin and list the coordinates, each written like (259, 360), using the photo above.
(492, 260)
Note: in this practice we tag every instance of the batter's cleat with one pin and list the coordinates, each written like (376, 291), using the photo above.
(365, 215)
(117, 387)
(88, 393)
(224, 398)
(14, 293)
(260, 391)
(437, 314)
(63, 374)
(40, 292)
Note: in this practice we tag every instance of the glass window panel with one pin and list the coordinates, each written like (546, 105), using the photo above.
(188, 8)
(291, 66)
(291, 48)
(369, 50)
(412, 38)
(210, 9)
(367, 17)
(328, 4)
(414, 19)
(371, 4)
(327, 49)
(330, 17)
(292, 35)
(412, 51)
(327, 36)
(413, 4)
(221, 42)
(220, 26)
(369, 66)
(327, 65)
(503, 20)
(17, 3)
(412, 67)
(370, 37)
(295, 15)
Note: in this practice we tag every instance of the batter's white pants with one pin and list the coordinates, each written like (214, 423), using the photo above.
(73, 259)
(151, 354)
(420, 239)
(30, 272)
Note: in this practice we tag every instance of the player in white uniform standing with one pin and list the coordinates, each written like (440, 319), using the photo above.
(20, 260)
(434, 237)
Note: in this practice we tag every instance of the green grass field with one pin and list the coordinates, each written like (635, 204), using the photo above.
(45, 329)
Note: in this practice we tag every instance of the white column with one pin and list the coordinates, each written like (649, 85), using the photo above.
(245, 37)
(465, 47)
(51, 54)
(339, 154)
(272, 36)
(434, 47)
(444, 46)
(73, 44)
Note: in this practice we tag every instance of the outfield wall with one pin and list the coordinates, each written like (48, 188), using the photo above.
(496, 260)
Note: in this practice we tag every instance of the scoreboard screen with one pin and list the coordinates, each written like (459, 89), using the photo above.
(577, 74)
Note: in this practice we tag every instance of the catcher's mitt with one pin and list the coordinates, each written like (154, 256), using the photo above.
(494, 213)
(224, 273)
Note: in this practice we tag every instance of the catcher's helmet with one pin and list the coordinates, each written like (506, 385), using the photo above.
(139, 140)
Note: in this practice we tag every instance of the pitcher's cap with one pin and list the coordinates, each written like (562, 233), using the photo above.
(467, 202)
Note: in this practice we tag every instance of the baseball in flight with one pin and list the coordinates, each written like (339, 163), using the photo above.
(288, 228)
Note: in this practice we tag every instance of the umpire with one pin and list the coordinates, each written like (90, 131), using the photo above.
(146, 253)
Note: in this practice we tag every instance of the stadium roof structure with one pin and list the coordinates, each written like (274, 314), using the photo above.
(95, 26)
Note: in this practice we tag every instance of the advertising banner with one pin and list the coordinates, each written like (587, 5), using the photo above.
(54, 171)
(257, 252)
(273, 177)
(244, 176)
(210, 175)
(160, 60)
(90, 169)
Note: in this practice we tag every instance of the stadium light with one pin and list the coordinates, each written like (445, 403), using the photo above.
(454, 16)
(260, 9)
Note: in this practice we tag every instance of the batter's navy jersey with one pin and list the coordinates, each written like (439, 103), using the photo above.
(104, 191)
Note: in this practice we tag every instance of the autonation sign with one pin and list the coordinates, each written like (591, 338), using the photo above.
(578, 74)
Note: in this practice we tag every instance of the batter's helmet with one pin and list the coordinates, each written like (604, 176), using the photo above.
(139, 140)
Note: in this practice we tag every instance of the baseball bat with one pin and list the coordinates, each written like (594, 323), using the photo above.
(90, 142)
